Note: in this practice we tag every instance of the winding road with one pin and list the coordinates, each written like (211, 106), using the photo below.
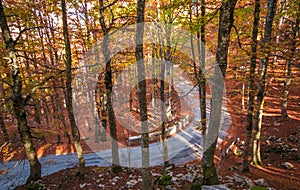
(183, 147)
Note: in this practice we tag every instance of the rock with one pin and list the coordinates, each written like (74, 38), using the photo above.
(170, 174)
(140, 180)
(293, 138)
(101, 186)
(174, 179)
(131, 183)
(243, 180)
(237, 178)
(276, 124)
(233, 168)
(169, 168)
(229, 185)
(288, 165)
(215, 187)
(155, 174)
(188, 177)
(229, 179)
(100, 175)
(115, 179)
(261, 182)
(179, 175)
(82, 185)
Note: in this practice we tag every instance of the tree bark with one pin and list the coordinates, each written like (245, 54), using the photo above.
(69, 101)
(19, 102)
(202, 58)
(225, 24)
(251, 88)
(142, 94)
(287, 82)
(162, 104)
(108, 85)
(262, 73)
(3, 128)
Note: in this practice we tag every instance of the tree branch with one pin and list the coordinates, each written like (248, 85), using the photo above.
(38, 86)
(109, 5)
(239, 40)
(25, 30)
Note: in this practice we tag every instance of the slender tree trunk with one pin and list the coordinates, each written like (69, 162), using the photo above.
(68, 62)
(287, 82)
(153, 70)
(263, 68)
(251, 89)
(162, 104)
(108, 84)
(37, 113)
(167, 57)
(3, 128)
(19, 102)
(225, 24)
(142, 94)
(202, 83)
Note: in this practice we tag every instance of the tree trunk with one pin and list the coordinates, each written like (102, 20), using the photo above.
(142, 94)
(3, 128)
(37, 113)
(202, 83)
(108, 85)
(19, 102)
(225, 24)
(287, 82)
(162, 104)
(263, 68)
(167, 58)
(251, 89)
(69, 104)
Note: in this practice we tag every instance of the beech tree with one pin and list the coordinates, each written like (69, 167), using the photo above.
(139, 55)
(18, 98)
(69, 101)
(251, 87)
(225, 24)
(108, 85)
(293, 33)
(262, 73)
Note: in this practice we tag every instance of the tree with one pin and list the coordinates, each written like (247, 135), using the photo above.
(69, 101)
(18, 99)
(201, 43)
(225, 24)
(262, 73)
(3, 128)
(139, 55)
(251, 90)
(108, 85)
(290, 61)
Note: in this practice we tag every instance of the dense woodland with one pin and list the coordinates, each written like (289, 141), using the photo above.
(44, 44)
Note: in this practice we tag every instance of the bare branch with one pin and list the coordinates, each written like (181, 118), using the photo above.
(109, 5)
(25, 30)
(38, 86)
(239, 40)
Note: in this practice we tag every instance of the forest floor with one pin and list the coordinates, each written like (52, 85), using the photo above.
(280, 170)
